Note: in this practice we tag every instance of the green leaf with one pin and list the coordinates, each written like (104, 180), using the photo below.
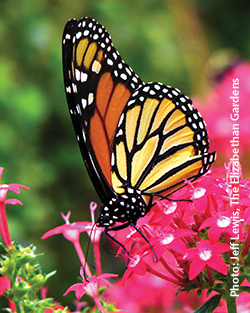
(244, 288)
(210, 305)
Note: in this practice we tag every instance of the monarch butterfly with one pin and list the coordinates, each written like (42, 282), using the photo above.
(139, 141)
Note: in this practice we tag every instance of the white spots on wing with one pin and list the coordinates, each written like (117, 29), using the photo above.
(131, 102)
(123, 76)
(78, 109)
(112, 159)
(194, 126)
(128, 71)
(191, 108)
(74, 87)
(110, 62)
(201, 125)
(121, 120)
(146, 89)
(78, 35)
(86, 33)
(84, 103)
(83, 135)
(90, 98)
(77, 74)
(135, 79)
(68, 89)
(119, 133)
(84, 77)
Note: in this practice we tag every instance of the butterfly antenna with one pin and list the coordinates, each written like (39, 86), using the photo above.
(146, 239)
(175, 200)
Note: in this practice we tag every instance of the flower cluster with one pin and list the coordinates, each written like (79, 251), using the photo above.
(195, 243)
(200, 246)
(90, 284)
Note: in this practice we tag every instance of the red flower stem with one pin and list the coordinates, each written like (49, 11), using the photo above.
(210, 276)
(212, 198)
(82, 258)
(156, 273)
(170, 270)
(97, 258)
(4, 229)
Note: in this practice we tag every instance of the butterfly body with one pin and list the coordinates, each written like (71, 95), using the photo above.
(139, 141)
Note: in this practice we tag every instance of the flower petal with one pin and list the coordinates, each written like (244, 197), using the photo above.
(196, 268)
(218, 264)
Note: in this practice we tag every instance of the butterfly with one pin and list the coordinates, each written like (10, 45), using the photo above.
(139, 141)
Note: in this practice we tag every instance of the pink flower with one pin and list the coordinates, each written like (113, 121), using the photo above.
(91, 287)
(4, 284)
(220, 223)
(136, 264)
(4, 230)
(71, 231)
(201, 190)
(170, 239)
(206, 254)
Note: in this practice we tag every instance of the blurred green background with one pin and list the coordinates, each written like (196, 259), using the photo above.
(173, 42)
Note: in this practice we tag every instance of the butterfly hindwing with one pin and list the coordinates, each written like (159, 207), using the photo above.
(98, 85)
(163, 140)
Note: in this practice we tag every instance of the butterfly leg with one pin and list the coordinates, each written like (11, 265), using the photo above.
(175, 200)
(146, 239)
(119, 227)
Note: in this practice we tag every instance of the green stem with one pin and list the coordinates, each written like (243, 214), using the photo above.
(18, 310)
(231, 304)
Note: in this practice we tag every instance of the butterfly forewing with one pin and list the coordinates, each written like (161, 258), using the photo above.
(98, 85)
